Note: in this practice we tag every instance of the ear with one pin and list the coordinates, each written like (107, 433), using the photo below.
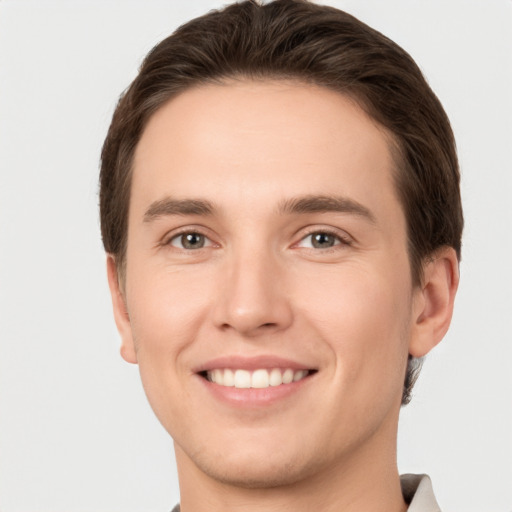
(121, 316)
(433, 301)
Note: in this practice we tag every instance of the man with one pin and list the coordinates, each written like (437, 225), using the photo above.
(281, 211)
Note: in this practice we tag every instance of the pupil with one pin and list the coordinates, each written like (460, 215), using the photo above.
(192, 241)
(322, 240)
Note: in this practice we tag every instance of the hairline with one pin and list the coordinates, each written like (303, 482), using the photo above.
(398, 167)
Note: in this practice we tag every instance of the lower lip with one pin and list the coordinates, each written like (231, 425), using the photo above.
(254, 397)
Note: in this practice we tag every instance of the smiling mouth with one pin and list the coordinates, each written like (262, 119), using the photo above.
(259, 379)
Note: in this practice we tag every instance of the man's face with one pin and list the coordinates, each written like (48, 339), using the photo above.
(266, 244)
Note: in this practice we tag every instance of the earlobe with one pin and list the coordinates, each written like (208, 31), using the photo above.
(433, 303)
(121, 316)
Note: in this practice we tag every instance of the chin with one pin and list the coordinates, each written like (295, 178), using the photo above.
(256, 469)
(256, 476)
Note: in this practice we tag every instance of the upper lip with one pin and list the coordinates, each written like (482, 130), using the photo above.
(251, 363)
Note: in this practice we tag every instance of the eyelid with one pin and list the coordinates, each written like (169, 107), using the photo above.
(175, 233)
(342, 236)
(178, 237)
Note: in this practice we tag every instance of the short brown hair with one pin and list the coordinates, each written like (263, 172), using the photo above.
(320, 45)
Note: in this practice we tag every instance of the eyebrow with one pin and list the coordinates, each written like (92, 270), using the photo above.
(325, 204)
(170, 206)
(297, 205)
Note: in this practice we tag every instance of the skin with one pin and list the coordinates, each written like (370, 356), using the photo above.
(259, 286)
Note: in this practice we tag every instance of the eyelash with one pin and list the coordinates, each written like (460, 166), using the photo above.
(340, 240)
(187, 231)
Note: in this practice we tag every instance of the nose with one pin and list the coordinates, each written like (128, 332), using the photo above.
(252, 297)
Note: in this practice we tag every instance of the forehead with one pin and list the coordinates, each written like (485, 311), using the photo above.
(269, 138)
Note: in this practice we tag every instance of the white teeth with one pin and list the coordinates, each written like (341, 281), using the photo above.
(259, 379)
(287, 376)
(242, 379)
(218, 377)
(299, 375)
(229, 378)
(275, 379)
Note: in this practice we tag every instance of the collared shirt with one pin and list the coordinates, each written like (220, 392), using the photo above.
(417, 491)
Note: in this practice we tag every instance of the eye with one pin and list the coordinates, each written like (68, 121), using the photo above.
(321, 240)
(190, 241)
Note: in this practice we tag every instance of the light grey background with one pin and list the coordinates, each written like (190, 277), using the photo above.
(76, 433)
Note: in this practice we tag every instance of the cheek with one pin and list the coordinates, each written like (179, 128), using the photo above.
(166, 311)
(364, 318)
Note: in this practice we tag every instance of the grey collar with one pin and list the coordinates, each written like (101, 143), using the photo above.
(418, 493)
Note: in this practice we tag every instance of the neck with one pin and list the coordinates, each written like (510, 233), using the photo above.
(364, 481)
